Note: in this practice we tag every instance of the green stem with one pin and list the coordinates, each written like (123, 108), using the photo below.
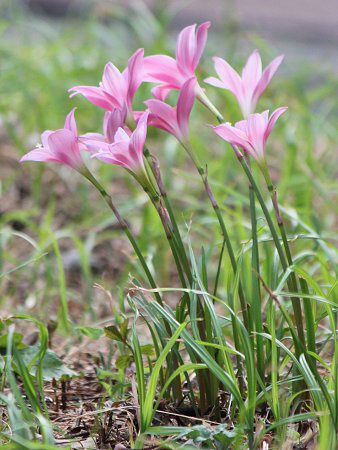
(227, 241)
(205, 379)
(295, 301)
(178, 250)
(178, 238)
(204, 176)
(171, 240)
(107, 198)
(203, 98)
(175, 242)
(219, 266)
(264, 209)
(256, 297)
(171, 222)
(123, 224)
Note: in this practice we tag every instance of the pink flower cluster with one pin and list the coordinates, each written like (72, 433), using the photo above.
(125, 130)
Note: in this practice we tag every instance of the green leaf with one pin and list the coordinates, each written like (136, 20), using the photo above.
(113, 333)
(148, 411)
(91, 332)
(123, 361)
(17, 340)
(124, 328)
(147, 349)
(223, 435)
(5, 323)
(52, 365)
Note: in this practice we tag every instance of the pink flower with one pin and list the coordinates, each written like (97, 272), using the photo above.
(251, 134)
(116, 90)
(173, 73)
(174, 120)
(126, 150)
(60, 146)
(248, 88)
(113, 120)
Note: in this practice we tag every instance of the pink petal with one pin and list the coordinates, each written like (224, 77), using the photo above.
(104, 157)
(267, 75)
(92, 137)
(162, 116)
(233, 136)
(201, 39)
(162, 69)
(122, 158)
(95, 145)
(161, 92)
(121, 136)
(112, 121)
(94, 95)
(118, 154)
(135, 74)
(70, 123)
(186, 49)
(229, 77)
(137, 115)
(44, 138)
(119, 147)
(256, 126)
(114, 84)
(272, 121)
(265, 115)
(126, 161)
(62, 144)
(213, 81)
(138, 137)
(242, 125)
(110, 158)
(184, 106)
(252, 72)
(157, 122)
(39, 154)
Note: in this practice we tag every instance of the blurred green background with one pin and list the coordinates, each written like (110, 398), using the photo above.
(57, 239)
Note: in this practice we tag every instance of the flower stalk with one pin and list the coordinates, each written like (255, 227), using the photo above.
(178, 250)
(124, 226)
(204, 176)
(171, 219)
(286, 262)
(256, 320)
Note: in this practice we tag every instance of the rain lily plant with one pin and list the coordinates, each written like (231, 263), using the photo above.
(233, 355)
